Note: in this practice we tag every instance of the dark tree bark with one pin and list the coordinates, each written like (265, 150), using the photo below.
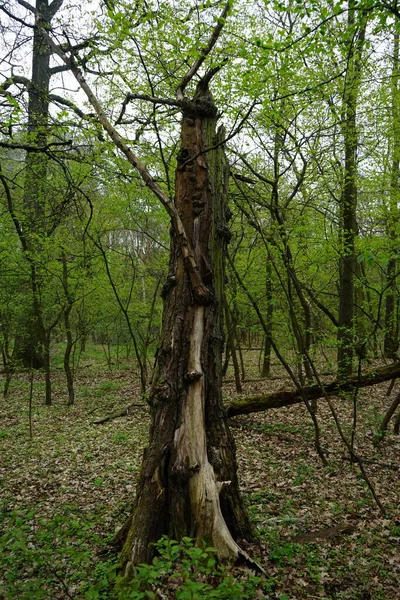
(391, 342)
(266, 366)
(68, 332)
(232, 349)
(30, 342)
(5, 354)
(396, 428)
(349, 229)
(188, 483)
(385, 421)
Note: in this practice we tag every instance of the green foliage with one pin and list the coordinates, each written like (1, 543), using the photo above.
(121, 438)
(189, 572)
(39, 555)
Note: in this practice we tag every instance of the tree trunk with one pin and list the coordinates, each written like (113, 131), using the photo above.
(188, 483)
(231, 346)
(396, 429)
(7, 370)
(29, 344)
(385, 421)
(266, 367)
(348, 259)
(391, 342)
(47, 367)
(68, 332)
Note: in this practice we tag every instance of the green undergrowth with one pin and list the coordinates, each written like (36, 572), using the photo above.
(44, 559)
(186, 571)
(48, 557)
(70, 487)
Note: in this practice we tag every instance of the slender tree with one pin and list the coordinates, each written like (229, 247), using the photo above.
(391, 341)
(356, 27)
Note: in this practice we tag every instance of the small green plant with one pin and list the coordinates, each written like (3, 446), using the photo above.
(189, 572)
(108, 386)
(284, 554)
(40, 556)
(395, 531)
(120, 438)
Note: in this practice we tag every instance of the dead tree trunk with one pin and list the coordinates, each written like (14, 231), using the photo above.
(188, 483)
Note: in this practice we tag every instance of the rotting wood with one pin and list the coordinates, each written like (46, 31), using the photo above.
(282, 398)
(119, 413)
(324, 534)
(261, 402)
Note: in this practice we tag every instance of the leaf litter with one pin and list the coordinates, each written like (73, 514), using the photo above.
(66, 492)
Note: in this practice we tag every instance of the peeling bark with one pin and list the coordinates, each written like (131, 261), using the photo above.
(188, 483)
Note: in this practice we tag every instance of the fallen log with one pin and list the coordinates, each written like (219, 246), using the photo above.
(324, 534)
(261, 402)
(119, 413)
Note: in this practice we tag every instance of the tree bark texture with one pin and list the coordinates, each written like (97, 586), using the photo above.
(28, 347)
(188, 483)
(69, 301)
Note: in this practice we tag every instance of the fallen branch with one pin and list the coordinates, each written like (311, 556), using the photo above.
(367, 461)
(258, 403)
(375, 463)
(119, 413)
(324, 534)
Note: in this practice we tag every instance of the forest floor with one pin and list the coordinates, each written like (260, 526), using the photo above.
(65, 492)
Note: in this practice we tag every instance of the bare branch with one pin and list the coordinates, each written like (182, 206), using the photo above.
(55, 7)
(199, 289)
(27, 6)
(204, 52)
(60, 100)
(15, 18)
(29, 148)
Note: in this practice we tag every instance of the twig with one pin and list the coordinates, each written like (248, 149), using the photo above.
(368, 461)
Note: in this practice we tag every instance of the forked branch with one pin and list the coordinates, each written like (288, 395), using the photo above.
(204, 52)
(199, 289)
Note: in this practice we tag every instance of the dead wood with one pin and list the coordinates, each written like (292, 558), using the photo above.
(119, 413)
(375, 463)
(368, 461)
(324, 534)
(279, 399)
